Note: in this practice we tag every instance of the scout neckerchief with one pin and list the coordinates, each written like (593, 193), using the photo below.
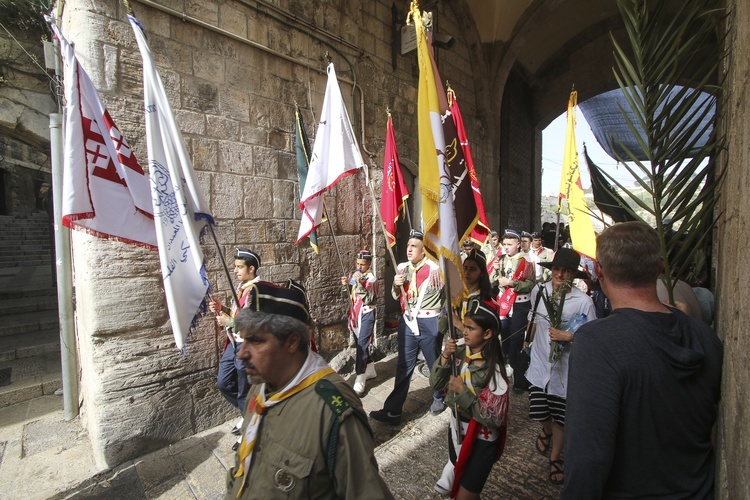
(313, 369)
(471, 295)
(420, 278)
(465, 374)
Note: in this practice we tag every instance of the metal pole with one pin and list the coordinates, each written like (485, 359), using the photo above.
(64, 268)
(452, 361)
(333, 235)
(224, 265)
(68, 356)
(557, 224)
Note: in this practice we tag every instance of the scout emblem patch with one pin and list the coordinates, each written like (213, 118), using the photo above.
(283, 480)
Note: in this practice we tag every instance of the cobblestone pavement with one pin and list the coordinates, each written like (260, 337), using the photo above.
(42, 457)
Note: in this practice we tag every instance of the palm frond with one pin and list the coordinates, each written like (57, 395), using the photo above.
(668, 79)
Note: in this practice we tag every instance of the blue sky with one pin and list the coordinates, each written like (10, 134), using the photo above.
(553, 144)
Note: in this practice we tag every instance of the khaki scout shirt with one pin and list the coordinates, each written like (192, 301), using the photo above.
(290, 456)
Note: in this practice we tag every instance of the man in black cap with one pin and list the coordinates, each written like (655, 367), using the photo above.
(417, 327)
(231, 381)
(305, 435)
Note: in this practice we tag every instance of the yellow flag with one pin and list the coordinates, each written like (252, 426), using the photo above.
(579, 221)
(435, 184)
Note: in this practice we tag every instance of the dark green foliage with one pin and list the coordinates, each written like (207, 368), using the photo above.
(670, 66)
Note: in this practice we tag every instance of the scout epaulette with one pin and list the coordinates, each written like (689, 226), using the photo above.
(338, 404)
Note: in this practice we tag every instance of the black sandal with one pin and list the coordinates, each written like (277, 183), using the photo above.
(545, 439)
(557, 470)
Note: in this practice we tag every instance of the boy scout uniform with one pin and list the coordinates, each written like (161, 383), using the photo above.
(291, 456)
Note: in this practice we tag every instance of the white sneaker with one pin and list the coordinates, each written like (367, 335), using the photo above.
(359, 384)
(445, 483)
(370, 371)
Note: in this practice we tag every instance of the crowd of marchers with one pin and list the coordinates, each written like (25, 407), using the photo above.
(624, 386)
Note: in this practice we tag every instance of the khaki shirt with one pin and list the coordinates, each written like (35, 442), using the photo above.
(290, 456)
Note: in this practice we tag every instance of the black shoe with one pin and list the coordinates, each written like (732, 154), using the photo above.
(386, 416)
(235, 446)
(236, 431)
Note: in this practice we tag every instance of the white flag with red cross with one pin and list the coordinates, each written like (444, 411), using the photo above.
(105, 191)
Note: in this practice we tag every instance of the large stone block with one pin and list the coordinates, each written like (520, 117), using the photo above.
(221, 127)
(208, 67)
(190, 122)
(284, 199)
(236, 157)
(227, 202)
(250, 231)
(258, 199)
(10, 111)
(253, 134)
(260, 111)
(286, 252)
(235, 104)
(233, 20)
(265, 162)
(199, 95)
(288, 166)
(280, 273)
(205, 11)
(220, 45)
(205, 154)
(189, 34)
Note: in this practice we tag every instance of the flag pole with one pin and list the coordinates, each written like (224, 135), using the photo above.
(452, 360)
(333, 235)
(224, 264)
(385, 236)
(557, 224)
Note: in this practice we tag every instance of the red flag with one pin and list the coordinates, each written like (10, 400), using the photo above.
(481, 230)
(395, 193)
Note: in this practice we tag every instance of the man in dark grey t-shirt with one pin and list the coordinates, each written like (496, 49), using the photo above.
(643, 386)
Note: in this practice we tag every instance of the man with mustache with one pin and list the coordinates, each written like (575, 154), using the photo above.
(305, 435)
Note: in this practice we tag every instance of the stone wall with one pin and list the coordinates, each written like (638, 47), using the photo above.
(25, 104)
(518, 172)
(234, 103)
(732, 289)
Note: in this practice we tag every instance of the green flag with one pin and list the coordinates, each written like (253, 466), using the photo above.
(303, 162)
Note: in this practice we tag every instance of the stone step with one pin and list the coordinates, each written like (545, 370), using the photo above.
(42, 291)
(47, 378)
(14, 263)
(28, 323)
(27, 304)
(23, 345)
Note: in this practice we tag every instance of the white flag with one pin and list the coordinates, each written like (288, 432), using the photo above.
(105, 191)
(335, 155)
(180, 211)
